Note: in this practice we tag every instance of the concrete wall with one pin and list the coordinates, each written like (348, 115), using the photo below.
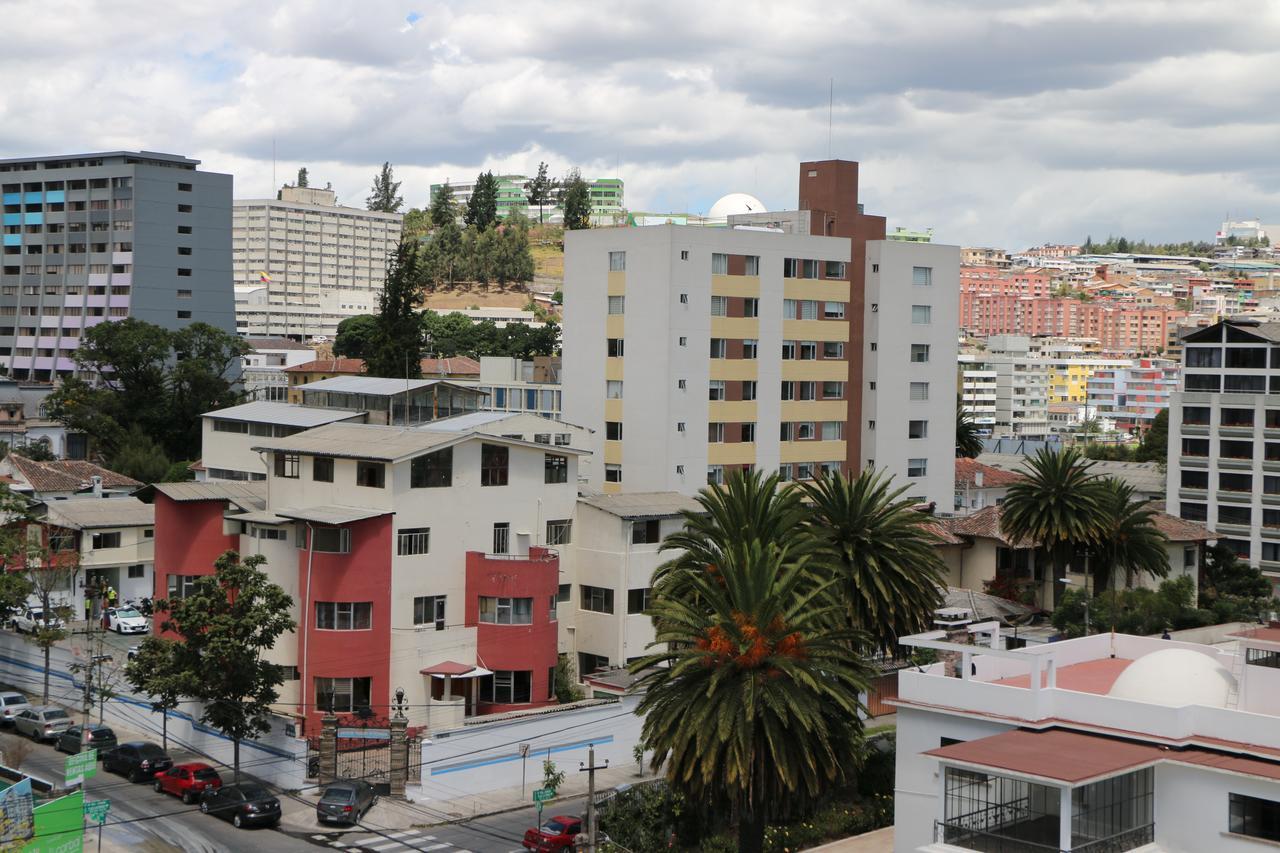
(1192, 809)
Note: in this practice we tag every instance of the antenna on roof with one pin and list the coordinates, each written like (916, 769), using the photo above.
(831, 106)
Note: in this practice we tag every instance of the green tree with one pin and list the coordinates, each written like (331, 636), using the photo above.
(155, 671)
(385, 194)
(541, 190)
(40, 450)
(575, 200)
(51, 575)
(1232, 589)
(417, 222)
(886, 560)
(443, 207)
(482, 207)
(356, 336)
(397, 345)
(1154, 446)
(750, 697)
(226, 623)
(1056, 505)
(512, 258)
(140, 458)
(1122, 245)
(1128, 540)
(302, 177)
(968, 441)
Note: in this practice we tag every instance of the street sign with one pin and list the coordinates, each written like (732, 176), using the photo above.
(81, 766)
(96, 810)
(543, 794)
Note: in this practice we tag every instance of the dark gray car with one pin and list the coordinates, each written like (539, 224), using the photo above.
(345, 801)
(137, 760)
(79, 738)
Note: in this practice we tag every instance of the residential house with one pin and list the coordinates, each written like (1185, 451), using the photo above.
(115, 543)
(61, 479)
(979, 486)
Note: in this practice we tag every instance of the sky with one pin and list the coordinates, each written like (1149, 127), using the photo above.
(995, 122)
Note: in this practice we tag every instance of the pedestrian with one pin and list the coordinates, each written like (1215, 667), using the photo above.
(1165, 635)
(88, 609)
(111, 596)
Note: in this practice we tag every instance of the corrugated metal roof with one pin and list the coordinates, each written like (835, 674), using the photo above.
(471, 420)
(330, 514)
(86, 513)
(361, 441)
(285, 414)
(249, 494)
(377, 386)
(643, 504)
(259, 516)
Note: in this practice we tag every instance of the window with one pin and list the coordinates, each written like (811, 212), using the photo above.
(555, 468)
(411, 541)
(613, 389)
(638, 600)
(287, 673)
(1195, 447)
(429, 609)
(807, 390)
(287, 464)
(750, 348)
(788, 391)
(1195, 479)
(502, 537)
(920, 353)
(1193, 511)
(344, 615)
(645, 532)
(507, 687)
(1236, 449)
(1255, 817)
(597, 599)
(617, 304)
(1203, 382)
(559, 531)
(494, 460)
(565, 592)
(276, 533)
(1228, 482)
(808, 350)
(371, 474)
(921, 315)
(751, 266)
(719, 264)
(617, 261)
(181, 586)
(832, 349)
(749, 389)
(919, 391)
(184, 271)
(1244, 384)
(748, 434)
(182, 188)
(563, 439)
(615, 347)
(331, 540)
(433, 470)
(1237, 417)
(322, 469)
(553, 607)
(343, 695)
(684, 341)
(715, 475)
(833, 311)
(1262, 657)
(1247, 357)
(833, 390)
(917, 467)
(835, 269)
(1189, 557)
(684, 254)
(506, 611)
(750, 307)
(106, 540)
(715, 432)
(715, 389)
(790, 267)
(718, 348)
(832, 430)
(788, 349)
(917, 429)
(613, 430)
(922, 276)
(1232, 514)
(612, 473)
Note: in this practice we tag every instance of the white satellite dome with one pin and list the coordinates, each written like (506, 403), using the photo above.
(735, 203)
(1175, 677)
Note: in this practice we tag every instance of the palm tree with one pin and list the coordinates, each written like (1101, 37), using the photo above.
(968, 442)
(751, 697)
(891, 576)
(1057, 505)
(1129, 539)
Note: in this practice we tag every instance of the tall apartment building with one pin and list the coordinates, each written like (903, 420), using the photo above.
(1133, 395)
(94, 237)
(749, 347)
(607, 206)
(1021, 404)
(985, 256)
(1224, 438)
(303, 263)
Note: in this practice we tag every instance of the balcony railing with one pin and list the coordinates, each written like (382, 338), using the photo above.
(1130, 839)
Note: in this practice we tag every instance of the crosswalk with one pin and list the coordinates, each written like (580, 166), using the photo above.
(388, 842)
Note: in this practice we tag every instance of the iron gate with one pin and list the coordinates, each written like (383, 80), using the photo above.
(362, 750)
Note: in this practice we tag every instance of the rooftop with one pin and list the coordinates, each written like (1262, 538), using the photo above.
(992, 477)
(329, 365)
(276, 343)
(88, 513)
(641, 505)
(247, 495)
(284, 414)
(377, 386)
(66, 475)
(985, 524)
(362, 441)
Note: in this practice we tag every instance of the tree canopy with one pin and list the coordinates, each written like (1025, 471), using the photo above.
(396, 348)
(482, 207)
(302, 177)
(541, 189)
(356, 336)
(575, 199)
(385, 195)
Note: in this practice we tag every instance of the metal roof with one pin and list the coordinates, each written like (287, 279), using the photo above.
(377, 386)
(643, 504)
(331, 514)
(471, 420)
(284, 414)
(259, 516)
(86, 513)
(249, 494)
(362, 441)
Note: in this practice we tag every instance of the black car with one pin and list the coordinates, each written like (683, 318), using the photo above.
(245, 804)
(137, 759)
(79, 738)
(345, 801)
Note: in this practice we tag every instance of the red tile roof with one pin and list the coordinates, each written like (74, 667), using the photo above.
(456, 366)
(985, 524)
(329, 365)
(67, 475)
(448, 667)
(992, 478)
(1064, 756)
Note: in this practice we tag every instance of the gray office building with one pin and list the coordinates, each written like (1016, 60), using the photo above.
(93, 237)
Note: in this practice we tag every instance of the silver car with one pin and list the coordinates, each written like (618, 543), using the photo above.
(43, 722)
(10, 704)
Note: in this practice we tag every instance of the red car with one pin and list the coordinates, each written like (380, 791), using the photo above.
(188, 781)
(555, 835)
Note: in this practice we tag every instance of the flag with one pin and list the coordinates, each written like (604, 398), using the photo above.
(264, 278)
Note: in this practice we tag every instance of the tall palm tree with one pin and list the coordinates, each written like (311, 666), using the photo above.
(751, 696)
(968, 442)
(1129, 540)
(1057, 504)
(890, 574)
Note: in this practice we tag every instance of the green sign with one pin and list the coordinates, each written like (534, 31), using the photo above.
(543, 794)
(81, 766)
(96, 810)
(59, 826)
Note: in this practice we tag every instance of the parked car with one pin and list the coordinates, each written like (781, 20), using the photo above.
(42, 722)
(188, 781)
(31, 619)
(91, 736)
(133, 651)
(125, 620)
(137, 760)
(10, 704)
(345, 801)
(245, 804)
(558, 833)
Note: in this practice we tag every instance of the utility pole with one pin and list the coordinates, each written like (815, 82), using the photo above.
(590, 769)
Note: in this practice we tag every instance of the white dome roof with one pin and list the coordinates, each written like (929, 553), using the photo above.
(1175, 677)
(735, 203)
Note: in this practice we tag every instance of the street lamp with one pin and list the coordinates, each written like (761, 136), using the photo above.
(1070, 582)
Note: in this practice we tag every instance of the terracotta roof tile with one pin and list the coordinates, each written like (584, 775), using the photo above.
(329, 365)
(67, 475)
(456, 366)
(992, 478)
(985, 524)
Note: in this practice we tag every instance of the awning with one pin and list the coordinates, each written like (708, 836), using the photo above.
(331, 514)
(453, 669)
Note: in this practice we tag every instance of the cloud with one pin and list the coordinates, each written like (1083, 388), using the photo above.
(992, 121)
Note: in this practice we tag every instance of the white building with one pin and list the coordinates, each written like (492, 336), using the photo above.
(114, 539)
(1021, 387)
(1106, 743)
(303, 263)
(262, 371)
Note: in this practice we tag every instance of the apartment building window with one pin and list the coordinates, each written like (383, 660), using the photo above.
(748, 433)
(808, 350)
(748, 389)
(921, 315)
(617, 261)
(715, 390)
(344, 615)
(1231, 514)
(411, 541)
(788, 350)
(790, 267)
(506, 611)
(287, 464)
(683, 341)
(597, 599)
(434, 470)
(750, 307)
(613, 430)
(1195, 479)
(809, 269)
(559, 531)
(428, 610)
(718, 348)
(1235, 449)
(555, 468)
(788, 391)
(343, 695)
(507, 687)
(835, 269)
(1254, 817)
(1243, 384)
(832, 349)
(715, 432)
(617, 304)
(917, 429)
(1203, 382)
(920, 353)
(833, 310)
(751, 266)
(807, 390)
(919, 391)
(750, 348)
(612, 473)
(501, 537)
(371, 475)
(917, 467)
(181, 586)
(922, 276)
(808, 309)
(719, 264)
(833, 390)
(184, 229)
(1228, 482)
(331, 540)
(832, 430)
(182, 188)
(613, 389)
(1254, 358)
(106, 540)
(1195, 447)
(638, 600)
(494, 463)
(646, 532)
(553, 607)
(615, 347)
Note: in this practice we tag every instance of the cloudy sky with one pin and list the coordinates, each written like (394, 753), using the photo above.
(1000, 122)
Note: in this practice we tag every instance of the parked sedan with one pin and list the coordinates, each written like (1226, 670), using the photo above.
(125, 620)
(245, 804)
(43, 722)
(11, 704)
(31, 620)
(137, 760)
(345, 801)
(188, 781)
(91, 736)
(558, 833)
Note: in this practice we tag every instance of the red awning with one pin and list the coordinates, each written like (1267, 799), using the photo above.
(450, 667)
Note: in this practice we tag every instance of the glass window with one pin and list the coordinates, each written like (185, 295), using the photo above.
(617, 261)
(715, 475)
(322, 469)
(751, 267)
(718, 348)
(371, 474)
(555, 468)
(181, 586)
(597, 599)
(719, 264)
(920, 353)
(1195, 447)
(917, 467)
(343, 695)
(331, 540)
(615, 347)
(428, 610)
(646, 532)
(833, 310)
(507, 687)
(750, 348)
(808, 350)
(1247, 357)
(719, 306)
(638, 600)
(788, 349)
(617, 304)
(715, 432)
(501, 537)
(1255, 817)
(749, 389)
(411, 541)
(106, 540)
(832, 349)
(1232, 514)
(613, 389)
(506, 611)
(835, 269)
(750, 307)
(715, 389)
(917, 429)
(808, 309)
(833, 390)
(922, 276)
(559, 531)
(919, 391)
(612, 473)
(1193, 511)
(921, 315)
(832, 430)
(433, 470)
(494, 463)
(1227, 482)
(1236, 417)
(613, 430)
(1198, 415)
(1195, 479)
(344, 615)
(287, 464)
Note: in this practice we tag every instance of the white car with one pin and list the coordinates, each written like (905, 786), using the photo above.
(31, 620)
(126, 620)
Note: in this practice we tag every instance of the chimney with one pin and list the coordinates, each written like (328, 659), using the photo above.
(97, 485)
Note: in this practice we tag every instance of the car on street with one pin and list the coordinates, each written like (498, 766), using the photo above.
(31, 619)
(345, 801)
(42, 722)
(188, 781)
(92, 736)
(133, 651)
(137, 760)
(10, 704)
(556, 834)
(245, 804)
(125, 620)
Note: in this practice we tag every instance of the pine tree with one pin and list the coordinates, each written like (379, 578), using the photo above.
(384, 196)
(443, 207)
(482, 207)
(396, 349)
(541, 189)
(575, 198)
(302, 177)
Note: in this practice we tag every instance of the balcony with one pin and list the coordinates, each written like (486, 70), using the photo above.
(1235, 463)
(1195, 429)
